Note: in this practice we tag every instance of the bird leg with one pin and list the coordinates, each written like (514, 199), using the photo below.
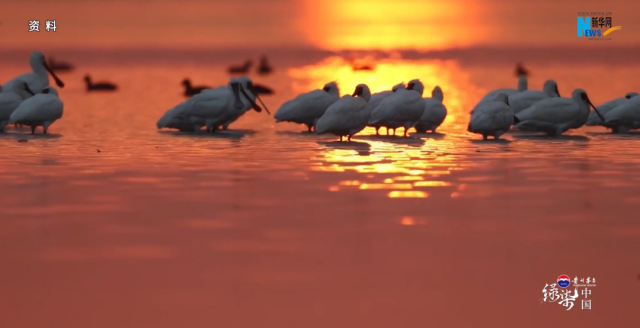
(340, 138)
(349, 138)
(377, 131)
(44, 130)
(484, 137)
(33, 129)
(309, 126)
(405, 132)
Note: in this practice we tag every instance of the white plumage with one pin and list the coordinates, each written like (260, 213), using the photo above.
(525, 99)
(176, 118)
(214, 107)
(10, 100)
(491, 117)
(377, 98)
(594, 120)
(40, 110)
(248, 96)
(307, 108)
(347, 116)
(522, 86)
(556, 115)
(38, 78)
(624, 117)
(179, 117)
(404, 107)
(434, 112)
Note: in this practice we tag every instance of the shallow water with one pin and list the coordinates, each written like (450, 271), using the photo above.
(107, 222)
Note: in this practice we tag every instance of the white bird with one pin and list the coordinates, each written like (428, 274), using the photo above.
(40, 110)
(401, 108)
(10, 100)
(38, 79)
(377, 98)
(522, 86)
(594, 120)
(492, 117)
(624, 117)
(347, 116)
(307, 108)
(222, 106)
(214, 107)
(521, 100)
(248, 95)
(176, 118)
(434, 112)
(556, 115)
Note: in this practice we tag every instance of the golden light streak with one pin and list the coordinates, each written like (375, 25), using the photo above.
(408, 194)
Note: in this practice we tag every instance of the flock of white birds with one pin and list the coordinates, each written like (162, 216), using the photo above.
(29, 100)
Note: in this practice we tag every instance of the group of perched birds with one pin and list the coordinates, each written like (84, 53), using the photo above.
(29, 100)
(545, 111)
(322, 110)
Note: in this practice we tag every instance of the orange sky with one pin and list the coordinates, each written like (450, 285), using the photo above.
(328, 24)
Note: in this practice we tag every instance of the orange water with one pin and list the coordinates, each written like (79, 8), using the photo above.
(107, 222)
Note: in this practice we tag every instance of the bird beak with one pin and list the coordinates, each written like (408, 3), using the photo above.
(357, 92)
(253, 103)
(410, 86)
(59, 83)
(236, 92)
(557, 92)
(326, 89)
(596, 110)
(27, 89)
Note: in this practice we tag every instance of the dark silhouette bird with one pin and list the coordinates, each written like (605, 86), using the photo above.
(521, 71)
(362, 67)
(241, 69)
(190, 90)
(57, 66)
(100, 86)
(261, 89)
(264, 67)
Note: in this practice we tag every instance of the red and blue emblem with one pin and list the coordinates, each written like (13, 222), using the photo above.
(564, 281)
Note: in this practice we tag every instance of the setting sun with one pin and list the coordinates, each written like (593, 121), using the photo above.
(379, 24)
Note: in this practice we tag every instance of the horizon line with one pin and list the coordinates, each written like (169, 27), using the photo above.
(591, 46)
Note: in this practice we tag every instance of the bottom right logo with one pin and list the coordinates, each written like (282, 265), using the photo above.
(566, 292)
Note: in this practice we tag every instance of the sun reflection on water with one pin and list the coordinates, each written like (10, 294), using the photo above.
(399, 170)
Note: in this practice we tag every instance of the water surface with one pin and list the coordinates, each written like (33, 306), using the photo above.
(108, 222)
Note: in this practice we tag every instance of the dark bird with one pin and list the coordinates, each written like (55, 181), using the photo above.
(241, 69)
(362, 64)
(190, 90)
(264, 67)
(362, 67)
(100, 86)
(521, 71)
(261, 89)
(59, 66)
